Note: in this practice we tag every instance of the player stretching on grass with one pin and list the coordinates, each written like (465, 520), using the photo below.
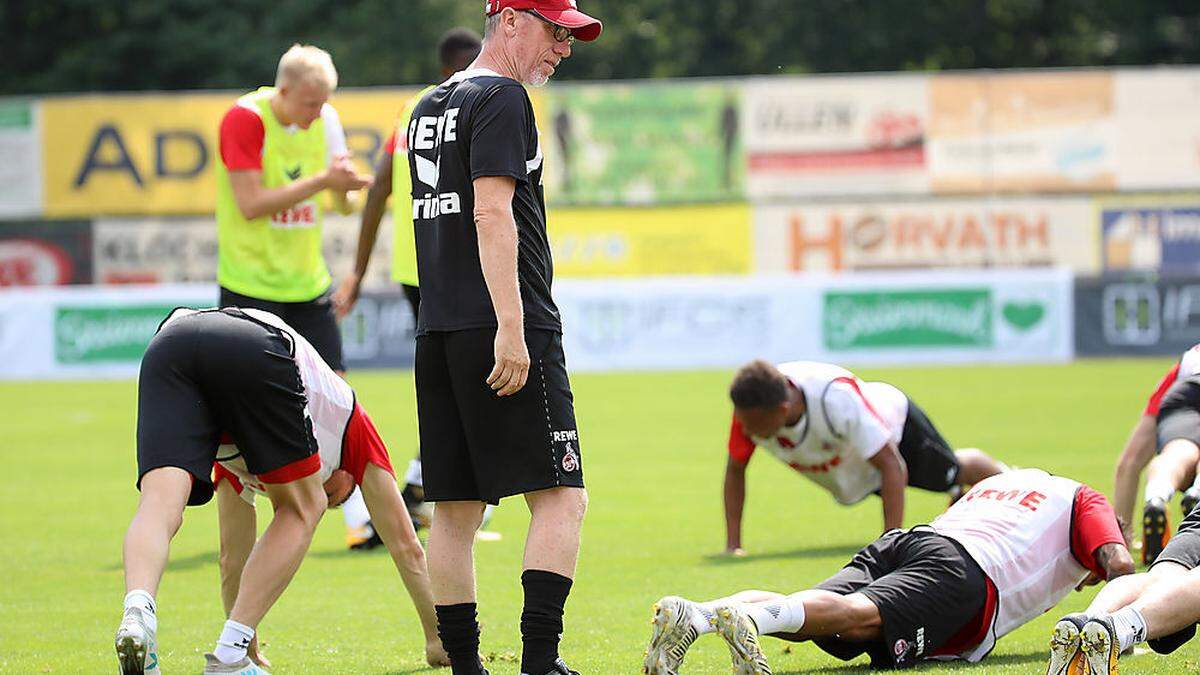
(1009, 550)
(1173, 468)
(1161, 606)
(247, 374)
(852, 438)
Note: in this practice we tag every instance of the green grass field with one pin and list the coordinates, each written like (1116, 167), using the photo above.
(653, 449)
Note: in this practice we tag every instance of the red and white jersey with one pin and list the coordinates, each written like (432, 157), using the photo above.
(1035, 536)
(847, 422)
(1188, 366)
(242, 136)
(330, 405)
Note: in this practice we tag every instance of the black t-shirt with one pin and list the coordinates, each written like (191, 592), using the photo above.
(476, 124)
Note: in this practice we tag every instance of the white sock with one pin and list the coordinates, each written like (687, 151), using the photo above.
(354, 510)
(413, 477)
(702, 618)
(785, 615)
(231, 646)
(1159, 488)
(145, 602)
(1131, 627)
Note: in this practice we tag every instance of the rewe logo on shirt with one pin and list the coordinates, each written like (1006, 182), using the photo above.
(428, 133)
(303, 214)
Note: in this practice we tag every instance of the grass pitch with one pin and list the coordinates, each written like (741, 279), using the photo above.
(653, 451)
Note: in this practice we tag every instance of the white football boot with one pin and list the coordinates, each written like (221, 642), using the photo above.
(214, 666)
(740, 633)
(136, 645)
(1099, 644)
(671, 634)
(1066, 658)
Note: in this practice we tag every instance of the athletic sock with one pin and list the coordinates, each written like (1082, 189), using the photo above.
(459, 630)
(702, 618)
(1131, 627)
(235, 639)
(413, 475)
(785, 615)
(542, 619)
(354, 511)
(1159, 488)
(145, 602)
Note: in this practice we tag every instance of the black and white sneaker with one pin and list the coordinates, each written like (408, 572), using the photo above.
(1191, 498)
(560, 668)
(671, 634)
(1065, 655)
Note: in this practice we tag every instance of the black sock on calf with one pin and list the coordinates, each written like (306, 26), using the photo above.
(542, 619)
(459, 630)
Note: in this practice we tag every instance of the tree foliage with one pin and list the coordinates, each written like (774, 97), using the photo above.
(132, 45)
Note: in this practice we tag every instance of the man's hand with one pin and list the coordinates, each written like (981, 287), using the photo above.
(512, 361)
(346, 295)
(342, 177)
(256, 654)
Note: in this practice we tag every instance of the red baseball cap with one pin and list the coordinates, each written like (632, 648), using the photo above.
(563, 13)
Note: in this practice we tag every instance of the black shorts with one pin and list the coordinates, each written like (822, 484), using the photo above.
(222, 371)
(1179, 413)
(932, 464)
(477, 446)
(926, 586)
(315, 320)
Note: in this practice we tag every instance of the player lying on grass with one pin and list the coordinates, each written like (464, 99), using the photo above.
(1161, 606)
(247, 374)
(1171, 469)
(1009, 550)
(852, 438)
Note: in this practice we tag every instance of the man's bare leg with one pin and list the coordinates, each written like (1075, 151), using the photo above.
(452, 576)
(551, 552)
(273, 561)
(394, 525)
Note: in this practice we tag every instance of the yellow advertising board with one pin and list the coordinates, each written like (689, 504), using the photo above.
(605, 242)
(154, 153)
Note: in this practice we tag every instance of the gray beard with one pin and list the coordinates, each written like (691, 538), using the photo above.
(537, 80)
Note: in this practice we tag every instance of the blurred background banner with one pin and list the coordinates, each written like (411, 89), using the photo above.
(836, 135)
(1137, 315)
(1018, 132)
(1159, 128)
(45, 253)
(1153, 232)
(21, 170)
(153, 154)
(596, 242)
(645, 143)
(950, 233)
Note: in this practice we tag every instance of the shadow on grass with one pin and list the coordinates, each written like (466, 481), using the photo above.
(864, 666)
(845, 550)
(189, 563)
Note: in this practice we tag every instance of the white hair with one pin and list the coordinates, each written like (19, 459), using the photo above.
(306, 64)
(490, 24)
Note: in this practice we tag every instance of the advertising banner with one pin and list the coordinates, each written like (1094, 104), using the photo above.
(1153, 233)
(1022, 132)
(836, 135)
(1158, 147)
(1129, 315)
(381, 332)
(177, 250)
(894, 318)
(155, 153)
(21, 170)
(651, 241)
(45, 253)
(943, 233)
(642, 144)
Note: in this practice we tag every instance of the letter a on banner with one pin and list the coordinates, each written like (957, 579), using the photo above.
(93, 162)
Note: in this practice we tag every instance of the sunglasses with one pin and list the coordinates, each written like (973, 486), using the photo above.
(561, 33)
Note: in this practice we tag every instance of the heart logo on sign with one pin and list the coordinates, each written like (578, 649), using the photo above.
(1024, 315)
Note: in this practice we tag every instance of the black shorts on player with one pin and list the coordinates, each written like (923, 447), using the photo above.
(1179, 413)
(221, 371)
(926, 586)
(477, 446)
(932, 464)
(314, 319)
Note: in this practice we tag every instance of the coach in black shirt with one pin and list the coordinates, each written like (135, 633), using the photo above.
(493, 399)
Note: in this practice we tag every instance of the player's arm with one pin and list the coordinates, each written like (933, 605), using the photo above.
(335, 142)
(1138, 451)
(391, 520)
(497, 233)
(368, 231)
(1096, 539)
(735, 501)
(894, 477)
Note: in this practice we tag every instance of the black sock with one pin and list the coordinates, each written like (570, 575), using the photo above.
(460, 636)
(541, 620)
